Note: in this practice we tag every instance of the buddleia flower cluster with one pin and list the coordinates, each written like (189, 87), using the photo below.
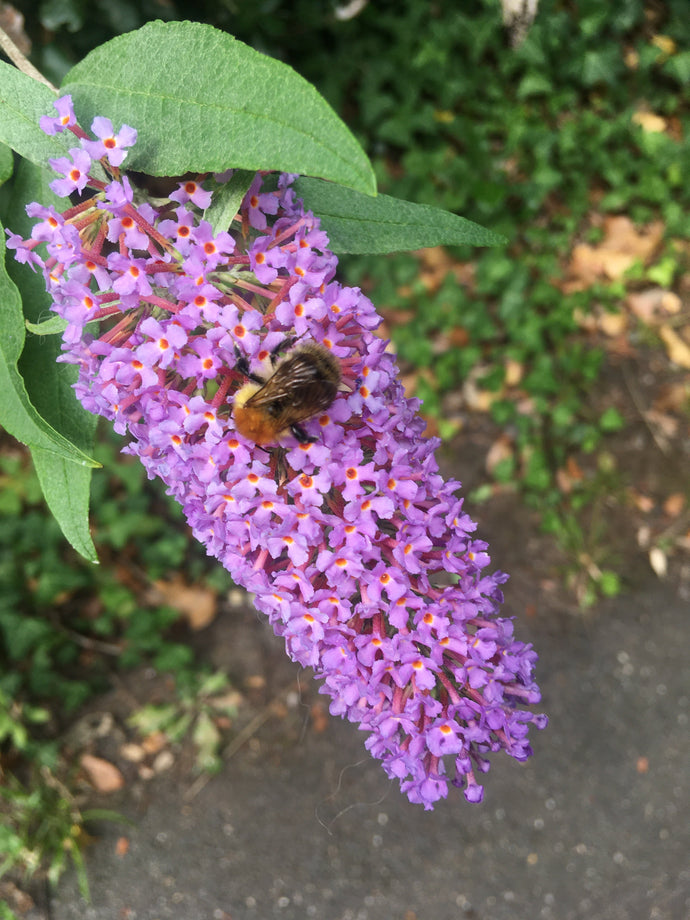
(356, 549)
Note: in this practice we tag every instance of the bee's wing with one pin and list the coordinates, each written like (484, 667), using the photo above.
(287, 382)
(295, 391)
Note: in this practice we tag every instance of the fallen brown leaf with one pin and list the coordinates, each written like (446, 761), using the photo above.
(154, 742)
(644, 503)
(514, 372)
(319, 718)
(431, 430)
(658, 561)
(197, 604)
(255, 682)
(674, 504)
(623, 244)
(631, 59)
(476, 399)
(677, 350)
(589, 264)
(649, 122)
(673, 397)
(435, 264)
(134, 753)
(621, 234)
(103, 775)
(665, 44)
(665, 426)
(613, 324)
(122, 846)
(458, 337)
(653, 305)
(9, 892)
(163, 761)
(502, 449)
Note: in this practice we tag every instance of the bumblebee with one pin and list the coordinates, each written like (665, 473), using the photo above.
(303, 382)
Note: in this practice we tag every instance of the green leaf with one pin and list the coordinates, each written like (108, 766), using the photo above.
(66, 488)
(611, 420)
(600, 66)
(22, 102)
(105, 814)
(55, 14)
(49, 384)
(203, 101)
(358, 223)
(534, 84)
(6, 163)
(53, 326)
(17, 414)
(227, 199)
(609, 583)
(678, 67)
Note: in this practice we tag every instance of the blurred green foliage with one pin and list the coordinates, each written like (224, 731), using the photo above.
(58, 611)
(66, 626)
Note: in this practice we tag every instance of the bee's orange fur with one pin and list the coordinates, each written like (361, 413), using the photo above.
(253, 424)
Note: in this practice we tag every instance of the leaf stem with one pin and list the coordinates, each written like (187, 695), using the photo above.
(21, 61)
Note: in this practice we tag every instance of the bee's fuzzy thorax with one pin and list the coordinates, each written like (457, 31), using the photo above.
(253, 424)
(244, 394)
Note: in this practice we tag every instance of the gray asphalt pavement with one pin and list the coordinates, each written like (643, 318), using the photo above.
(303, 824)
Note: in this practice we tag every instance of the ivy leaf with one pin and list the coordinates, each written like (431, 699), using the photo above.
(203, 101)
(360, 224)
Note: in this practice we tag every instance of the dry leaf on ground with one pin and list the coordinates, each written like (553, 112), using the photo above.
(650, 122)
(653, 305)
(676, 348)
(623, 245)
(103, 775)
(197, 604)
(674, 504)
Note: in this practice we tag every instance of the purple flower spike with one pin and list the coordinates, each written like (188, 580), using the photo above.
(356, 549)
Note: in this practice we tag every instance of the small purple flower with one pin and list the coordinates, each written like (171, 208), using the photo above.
(164, 345)
(23, 253)
(130, 274)
(192, 191)
(74, 170)
(257, 206)
(113, 146)
(64, 119)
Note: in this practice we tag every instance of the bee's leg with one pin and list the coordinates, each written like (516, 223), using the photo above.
(242, 365)
(302, 435)
(279, 465)
(285, 345)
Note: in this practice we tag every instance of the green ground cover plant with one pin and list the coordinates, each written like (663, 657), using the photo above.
(66, 626)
